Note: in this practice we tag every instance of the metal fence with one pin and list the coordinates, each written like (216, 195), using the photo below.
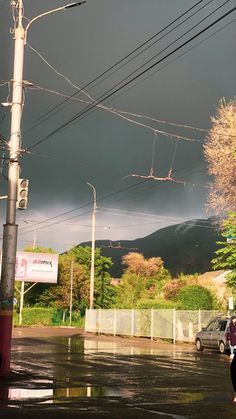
(178, 325)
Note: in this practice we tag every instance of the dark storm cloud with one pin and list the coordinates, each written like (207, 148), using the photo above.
(101, 148)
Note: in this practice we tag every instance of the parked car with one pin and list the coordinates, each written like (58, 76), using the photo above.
(214, 335)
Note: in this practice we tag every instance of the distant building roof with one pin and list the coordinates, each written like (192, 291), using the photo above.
(217, 278)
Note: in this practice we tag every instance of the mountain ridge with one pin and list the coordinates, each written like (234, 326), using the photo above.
(186, 247)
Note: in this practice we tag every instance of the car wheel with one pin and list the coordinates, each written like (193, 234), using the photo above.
(199, 346)
(222, 347)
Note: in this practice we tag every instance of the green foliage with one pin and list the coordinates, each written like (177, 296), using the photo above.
(226, 255)
(173, 286)
(82, 255)
(63, 319)
(104, 292)
(157, 304)
(36, 316)
(58, 295)
(143, 280)
(41, 316)
(39, 249)
(194, 297)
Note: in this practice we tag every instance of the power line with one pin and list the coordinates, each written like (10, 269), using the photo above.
(73, 119)
(37, 87)
(109, 93)
(175, 59)
(70, 97)
(81, 90)
(85, 205)
(47, 114)
(76, 209)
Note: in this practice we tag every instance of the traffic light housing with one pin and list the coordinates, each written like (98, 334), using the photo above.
(22, 194)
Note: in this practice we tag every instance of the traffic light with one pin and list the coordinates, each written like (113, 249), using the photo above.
(22, 194)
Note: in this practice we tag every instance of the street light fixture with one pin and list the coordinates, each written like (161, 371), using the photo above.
(91, 295)
(49, 12)
(9, 244)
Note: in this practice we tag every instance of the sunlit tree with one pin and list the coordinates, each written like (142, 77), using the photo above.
(220, 153)
(142, 279)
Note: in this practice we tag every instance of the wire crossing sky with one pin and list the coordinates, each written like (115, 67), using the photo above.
(150, 68)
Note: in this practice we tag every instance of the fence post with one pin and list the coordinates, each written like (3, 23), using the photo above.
(114, 332)
(199, 320)
(99, 321)
(151, 323)
(174, 326)
(190, 331)
(86, 320)
(132, 322)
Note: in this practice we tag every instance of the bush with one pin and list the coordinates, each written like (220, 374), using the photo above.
(156, 304)
(194, 297)
(42, 316)
(37, 316)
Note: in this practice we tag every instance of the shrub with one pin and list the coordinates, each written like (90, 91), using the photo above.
(37, 316)
(156, 304)
(194, 297)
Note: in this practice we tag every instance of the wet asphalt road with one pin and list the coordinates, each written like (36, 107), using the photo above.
(85, 376)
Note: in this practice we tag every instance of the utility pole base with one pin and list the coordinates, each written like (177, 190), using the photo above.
(5, 342)
(6, 296)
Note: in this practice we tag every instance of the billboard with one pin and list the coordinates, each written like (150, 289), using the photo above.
(36, 267)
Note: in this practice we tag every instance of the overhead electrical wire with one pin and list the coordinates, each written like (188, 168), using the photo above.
(169, 45)
(110, 93)
(77, 209)
(112, 213)
(85, 205)
(78, 115)
(159, 121)
(70, 97)
(175, 59)
(43, 118)
(218, 20)
(121, 60)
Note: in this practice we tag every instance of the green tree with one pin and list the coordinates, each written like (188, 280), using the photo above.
(142, 279)
(104, 292)
(58, 295)
(226, 255)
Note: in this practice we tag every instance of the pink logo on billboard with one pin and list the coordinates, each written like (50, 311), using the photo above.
(21, 267)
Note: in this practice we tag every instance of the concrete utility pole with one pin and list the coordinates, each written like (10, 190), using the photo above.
(9, 244)
(10, 228)
(91, 297)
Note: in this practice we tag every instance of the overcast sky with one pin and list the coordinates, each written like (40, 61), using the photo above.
(100, 147)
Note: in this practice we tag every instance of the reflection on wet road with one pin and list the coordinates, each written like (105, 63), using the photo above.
(107, 378)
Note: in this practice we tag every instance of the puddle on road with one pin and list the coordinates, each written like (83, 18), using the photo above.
(56, 394)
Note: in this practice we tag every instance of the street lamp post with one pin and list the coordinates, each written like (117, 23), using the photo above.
(9, 244)
(91, 295)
